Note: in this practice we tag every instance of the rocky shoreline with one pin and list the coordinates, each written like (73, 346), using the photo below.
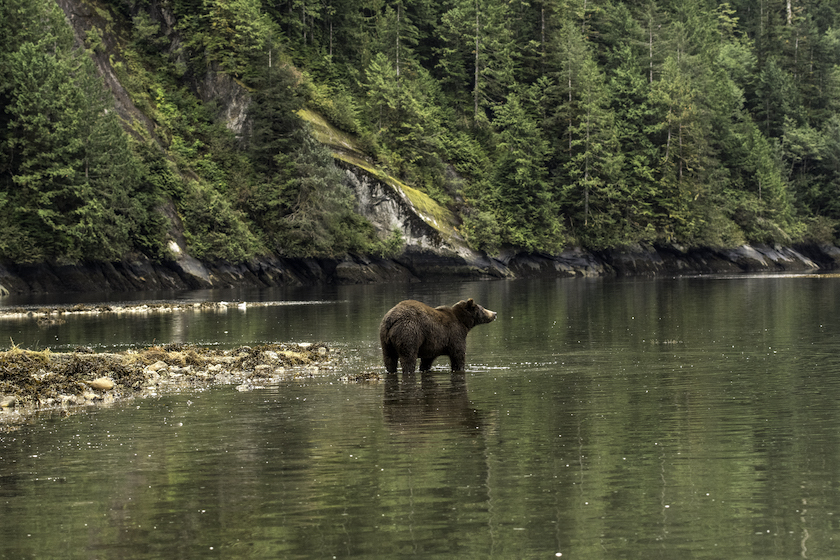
(35, 382)
(415, 264)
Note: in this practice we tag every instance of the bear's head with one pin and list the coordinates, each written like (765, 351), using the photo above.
(473, 314)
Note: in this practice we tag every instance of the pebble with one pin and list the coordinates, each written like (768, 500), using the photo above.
(8, 402)
(157, 366)
(101, 384)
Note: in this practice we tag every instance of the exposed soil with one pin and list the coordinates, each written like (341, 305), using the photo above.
(36, 381)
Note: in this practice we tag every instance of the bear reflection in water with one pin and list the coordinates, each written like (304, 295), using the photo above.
(412, 330)
(417, 403)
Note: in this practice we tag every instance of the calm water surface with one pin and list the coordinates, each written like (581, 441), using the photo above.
(687, 418)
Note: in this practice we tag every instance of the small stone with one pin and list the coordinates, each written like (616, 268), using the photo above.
(90, 396)
(8, 401)
(157, 366)
(101, 384)
(323, 350)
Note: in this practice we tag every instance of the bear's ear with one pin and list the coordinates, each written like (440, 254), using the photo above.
(470, 302)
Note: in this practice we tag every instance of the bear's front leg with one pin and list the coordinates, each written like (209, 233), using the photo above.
(426, 364)
(458, 361)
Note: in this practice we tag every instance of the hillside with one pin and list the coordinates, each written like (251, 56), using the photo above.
(238, 132)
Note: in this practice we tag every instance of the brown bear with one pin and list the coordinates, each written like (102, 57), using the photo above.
(412, 330)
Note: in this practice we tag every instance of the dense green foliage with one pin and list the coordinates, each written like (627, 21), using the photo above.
(542, 123)
(70, 188)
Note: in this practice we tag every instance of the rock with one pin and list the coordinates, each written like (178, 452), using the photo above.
(157, 366)
(192, 271)
(101, 384)
(8, 401)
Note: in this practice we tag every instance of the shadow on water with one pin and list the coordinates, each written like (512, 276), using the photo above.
(412, 403)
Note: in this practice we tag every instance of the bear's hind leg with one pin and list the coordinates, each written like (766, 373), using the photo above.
(390, 357)
(426, 364)
(408, 364)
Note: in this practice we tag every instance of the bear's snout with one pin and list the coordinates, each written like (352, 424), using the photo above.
(491, 315)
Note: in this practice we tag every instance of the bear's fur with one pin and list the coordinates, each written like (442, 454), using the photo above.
(412, 330)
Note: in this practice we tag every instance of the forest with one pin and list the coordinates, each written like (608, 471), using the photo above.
(541, 124)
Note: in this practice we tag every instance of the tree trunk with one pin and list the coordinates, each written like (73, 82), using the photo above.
(475, 86)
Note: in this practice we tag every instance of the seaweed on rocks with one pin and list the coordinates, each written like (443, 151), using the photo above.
(35, 381)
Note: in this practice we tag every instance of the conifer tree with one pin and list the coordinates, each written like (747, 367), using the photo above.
(73, 174)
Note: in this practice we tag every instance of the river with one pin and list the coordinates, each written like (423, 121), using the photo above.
(598, 418)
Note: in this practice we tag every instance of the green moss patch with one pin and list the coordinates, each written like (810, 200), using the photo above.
(346, 149)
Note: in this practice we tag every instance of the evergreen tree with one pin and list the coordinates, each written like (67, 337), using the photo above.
(635, 122)
(477, 54)
(529, 215)
(72, 173)
(587, 154)
(276, 127)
